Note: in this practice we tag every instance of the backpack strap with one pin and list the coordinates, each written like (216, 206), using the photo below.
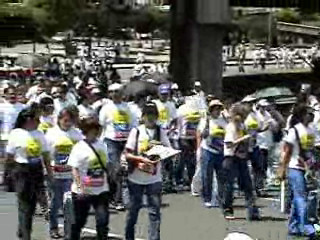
(299, 142)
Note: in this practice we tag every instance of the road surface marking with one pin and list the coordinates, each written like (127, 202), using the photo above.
(93, 231)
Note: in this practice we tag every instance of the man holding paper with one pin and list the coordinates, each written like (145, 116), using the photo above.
(145, 172)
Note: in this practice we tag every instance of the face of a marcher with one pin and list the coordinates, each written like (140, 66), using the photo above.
(11, 96)
(150, 119)
(164, 97)
(116, 95)
(215, 111)
(66, 122)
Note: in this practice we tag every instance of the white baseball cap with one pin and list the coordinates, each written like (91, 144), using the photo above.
(197, 84)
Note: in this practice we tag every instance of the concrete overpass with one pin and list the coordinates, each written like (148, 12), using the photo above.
(298, 32)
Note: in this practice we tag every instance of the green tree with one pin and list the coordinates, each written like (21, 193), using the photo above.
(288, 15)
(16, 23)
(55, 15)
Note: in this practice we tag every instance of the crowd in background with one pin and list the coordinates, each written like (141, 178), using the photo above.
(65, 135)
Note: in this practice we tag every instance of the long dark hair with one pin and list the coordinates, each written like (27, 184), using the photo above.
(24, 116)
(298, 114)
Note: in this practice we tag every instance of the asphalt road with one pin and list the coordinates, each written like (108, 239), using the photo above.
(183, 218)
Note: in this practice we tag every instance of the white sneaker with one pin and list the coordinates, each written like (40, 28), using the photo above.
(208, 204)
(195, 194)
(120, 207)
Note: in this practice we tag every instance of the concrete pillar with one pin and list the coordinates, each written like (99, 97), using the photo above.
(182, 15)
(210, 69)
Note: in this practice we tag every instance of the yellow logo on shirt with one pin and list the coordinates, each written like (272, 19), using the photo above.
(252, 124)
(307, 141)
(121, 117)
(94, 162)
(44, 126)
(163, 115)
(193, 117)
(143, 145)
(217, 131)
(64, 145)
(33, 148)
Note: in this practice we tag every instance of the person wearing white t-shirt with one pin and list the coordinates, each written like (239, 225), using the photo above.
(210, 139)
(85, 108)
(28, 149)
(296, 156)
(90, 187)
(145, 174)
(187, 123)
(168, 121)
(236, 147)
(61, 140)
(9, 111)
(254, 126)
(265, 136)
(61, 101)
(47, 119)
(116, 120)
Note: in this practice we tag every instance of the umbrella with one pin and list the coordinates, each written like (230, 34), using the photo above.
(273, 92)
(159, 78)
(31, 61)
(143, 88)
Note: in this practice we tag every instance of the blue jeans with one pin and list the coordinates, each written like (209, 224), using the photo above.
(298, 223)
(115, 149)
(57, 188)
(153, 194)
(210, 162)
(81, 207)
(234, 167)
(187, 159)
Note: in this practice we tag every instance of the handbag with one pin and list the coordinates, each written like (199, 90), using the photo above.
(109, 172)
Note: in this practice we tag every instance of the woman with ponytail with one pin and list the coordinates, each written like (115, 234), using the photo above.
(28, 150)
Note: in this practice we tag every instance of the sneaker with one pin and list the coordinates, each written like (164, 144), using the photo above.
(253, 214)
(207, 205)
(195, 194)
(120, 207)
(228, 214)
(54, 234)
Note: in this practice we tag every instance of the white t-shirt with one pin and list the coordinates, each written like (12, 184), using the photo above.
(32, 92)
(167, 113)
(136, 112)
(46, 122)
(217, 130)
(8, 115)
(188, 120)
(231, 136)
(92, 176)
(307, 140)
(116, 120)
(265, 138)
(60, 144)
(27, 146)
(145, 135)
(253, 125)
(86, 111)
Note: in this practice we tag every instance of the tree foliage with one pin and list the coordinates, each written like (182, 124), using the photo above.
(288, 15)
